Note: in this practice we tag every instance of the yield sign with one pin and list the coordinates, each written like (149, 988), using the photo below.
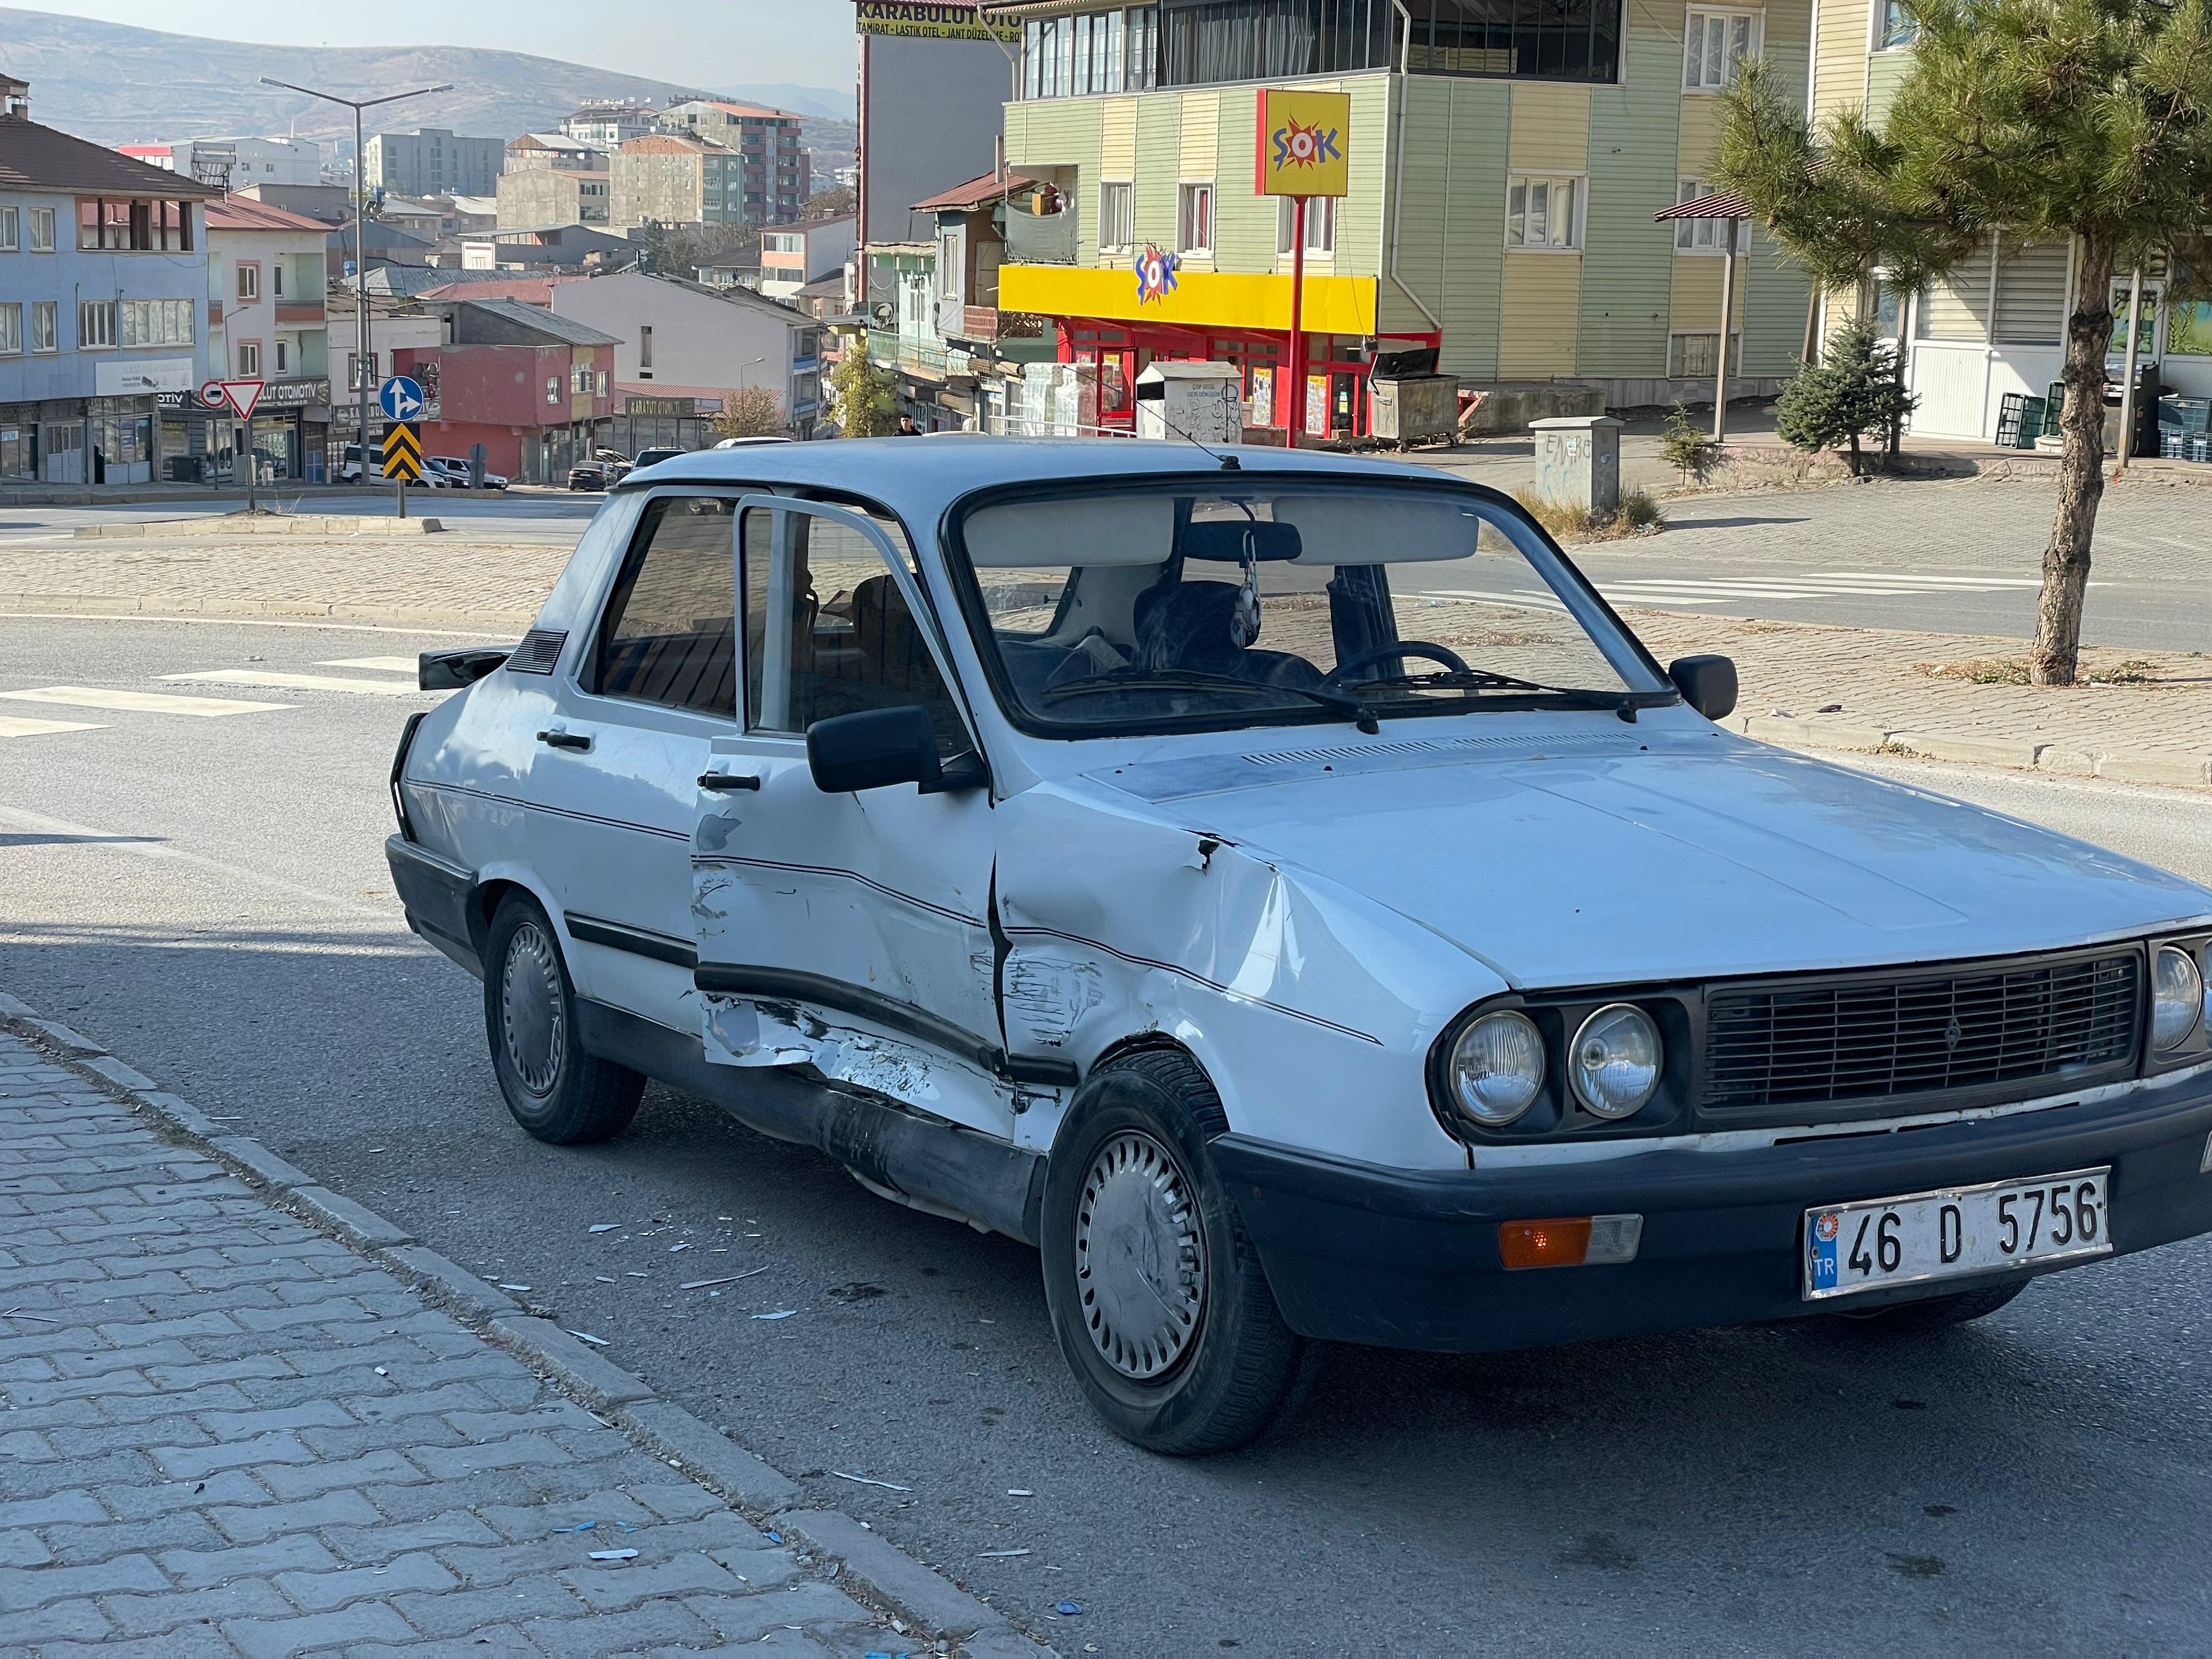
(243, 395)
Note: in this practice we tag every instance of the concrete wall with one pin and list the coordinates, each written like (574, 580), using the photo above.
(552, 196)
(930, 117)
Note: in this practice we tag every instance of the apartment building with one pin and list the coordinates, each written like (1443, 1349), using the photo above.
(433, 161)
(536, 390)
(1997, 324)
(676, 179)
(103, 303)
(554, 196)
(234, 163)
(266, 276)
(791, 256)
(604, 126)
(776, 180)
(1505, 164)
(534, 151)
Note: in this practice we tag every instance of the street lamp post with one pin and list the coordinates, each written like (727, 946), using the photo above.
(360, 249)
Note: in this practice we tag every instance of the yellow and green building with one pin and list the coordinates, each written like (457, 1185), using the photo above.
(1506, 160)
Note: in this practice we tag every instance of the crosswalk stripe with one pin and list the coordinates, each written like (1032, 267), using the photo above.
(15, 726)
(388, 665)
(146, 703)
(283, 682)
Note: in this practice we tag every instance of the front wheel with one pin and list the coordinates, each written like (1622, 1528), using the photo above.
(1159, 1299)
(553, 1088)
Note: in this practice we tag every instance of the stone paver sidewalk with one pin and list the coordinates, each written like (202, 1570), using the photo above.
(226, 1433)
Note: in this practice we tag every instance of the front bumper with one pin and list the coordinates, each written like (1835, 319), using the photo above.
(1408, 1258)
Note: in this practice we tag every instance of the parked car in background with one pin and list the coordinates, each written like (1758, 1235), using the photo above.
(616, 464)
(1281, 889)
(648, 457)
(350, 470)
(458, 473)
(588, 475)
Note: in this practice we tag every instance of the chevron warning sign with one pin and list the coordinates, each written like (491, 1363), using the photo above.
(403, 452)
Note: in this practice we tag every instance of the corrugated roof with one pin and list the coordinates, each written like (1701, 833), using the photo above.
(37, 157)
(986, 187)
(243, 213)
(1726, 205)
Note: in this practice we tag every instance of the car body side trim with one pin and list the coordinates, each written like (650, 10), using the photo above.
(557, 812)
(623, 936)
(793, 985)
(731, 861)
(1196, 979)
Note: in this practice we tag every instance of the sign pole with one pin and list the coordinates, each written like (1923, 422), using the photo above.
(1297, 363)
(402, 487)
(250, 468)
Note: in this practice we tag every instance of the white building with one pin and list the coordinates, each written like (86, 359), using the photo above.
(265, 281)
(235, 163)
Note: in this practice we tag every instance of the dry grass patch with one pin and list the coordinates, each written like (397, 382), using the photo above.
(1638, 515)
(2012, 670)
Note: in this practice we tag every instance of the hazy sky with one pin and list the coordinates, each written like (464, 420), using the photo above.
(690, 42)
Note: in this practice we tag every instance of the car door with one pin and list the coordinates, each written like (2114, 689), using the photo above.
(615, 780)
(849, 931)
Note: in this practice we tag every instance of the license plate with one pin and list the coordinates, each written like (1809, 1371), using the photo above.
(1850, 1247)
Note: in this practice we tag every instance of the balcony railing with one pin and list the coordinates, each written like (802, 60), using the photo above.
(1041, 239)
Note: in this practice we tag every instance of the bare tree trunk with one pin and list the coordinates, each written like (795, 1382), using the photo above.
(2055, 657)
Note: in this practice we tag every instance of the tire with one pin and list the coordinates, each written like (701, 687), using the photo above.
(556, 1090)
(1937, 1313)
(1203, 1364)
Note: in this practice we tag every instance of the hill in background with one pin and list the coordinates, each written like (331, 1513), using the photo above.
(118, 85)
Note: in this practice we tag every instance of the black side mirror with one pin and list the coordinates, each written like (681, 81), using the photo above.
(879, 747)
(449, 671)
(1707, 684)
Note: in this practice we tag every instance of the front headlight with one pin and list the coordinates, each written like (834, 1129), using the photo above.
(1614, 1060)
(1497, 1067)
(2177, 993)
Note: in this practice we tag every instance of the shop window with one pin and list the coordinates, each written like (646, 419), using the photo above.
(96, 324)
(1713, 44)
(2189, 329)
(1194, 218)
(1320, 226)
(1543, 214)
(1705, 235)
(2146, 320)
(1117, 228)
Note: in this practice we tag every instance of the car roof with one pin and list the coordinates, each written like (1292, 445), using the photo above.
(918, 477)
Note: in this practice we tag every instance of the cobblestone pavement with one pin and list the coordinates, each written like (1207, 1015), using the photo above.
(225, 1433)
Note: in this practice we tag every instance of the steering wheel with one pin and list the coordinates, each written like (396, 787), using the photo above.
(1450, 659)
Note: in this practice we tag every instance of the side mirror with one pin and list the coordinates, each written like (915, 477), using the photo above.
(879, 747)
(1707, 684)
(449, 671)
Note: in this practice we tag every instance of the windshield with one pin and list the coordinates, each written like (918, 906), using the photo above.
(1177, 604)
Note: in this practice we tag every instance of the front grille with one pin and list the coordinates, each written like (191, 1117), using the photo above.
(1875, 1036)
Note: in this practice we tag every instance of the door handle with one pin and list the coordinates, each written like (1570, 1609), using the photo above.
(575, 741)
(724, 780)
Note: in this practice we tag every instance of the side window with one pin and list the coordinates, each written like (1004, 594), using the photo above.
(670, 632)
(827, 632)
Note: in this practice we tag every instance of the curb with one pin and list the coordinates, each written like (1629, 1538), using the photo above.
(286, 524)
(870, 1566)
(2165, 766)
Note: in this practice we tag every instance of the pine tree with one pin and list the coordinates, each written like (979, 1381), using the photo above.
(1852, 391)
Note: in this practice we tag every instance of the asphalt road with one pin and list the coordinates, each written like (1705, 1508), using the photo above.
(207, 897)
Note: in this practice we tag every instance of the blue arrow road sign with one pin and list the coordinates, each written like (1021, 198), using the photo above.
(400, 398)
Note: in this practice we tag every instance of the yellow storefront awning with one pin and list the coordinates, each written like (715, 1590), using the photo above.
(1223, 300)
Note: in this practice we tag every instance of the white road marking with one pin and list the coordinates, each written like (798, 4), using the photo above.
(122, 841)
(8, 615)
(386, 665)
(1480, 596)
(14, 725)
(283, 682)
(147, 703)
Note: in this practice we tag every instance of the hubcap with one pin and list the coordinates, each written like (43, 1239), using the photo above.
(531, 1009)
(1140, 1256)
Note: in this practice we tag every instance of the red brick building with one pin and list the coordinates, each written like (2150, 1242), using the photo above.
(536, 390)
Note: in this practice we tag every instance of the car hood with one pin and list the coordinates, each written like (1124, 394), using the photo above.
(1668, 860)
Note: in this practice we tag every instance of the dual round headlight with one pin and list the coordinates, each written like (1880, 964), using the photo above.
(1613, 1064)
(2177, 997)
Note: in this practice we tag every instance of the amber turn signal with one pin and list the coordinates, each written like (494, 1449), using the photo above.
(1570, 1241)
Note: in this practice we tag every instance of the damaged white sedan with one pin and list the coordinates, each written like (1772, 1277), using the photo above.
(1279, 888)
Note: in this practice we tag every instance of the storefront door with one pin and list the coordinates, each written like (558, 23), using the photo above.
(63, 447)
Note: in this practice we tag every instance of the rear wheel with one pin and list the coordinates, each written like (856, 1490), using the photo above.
(1937, 1312)
(1156, 1296)
(553, 1088)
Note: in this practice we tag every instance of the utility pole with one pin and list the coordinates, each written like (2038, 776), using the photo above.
(361, 373)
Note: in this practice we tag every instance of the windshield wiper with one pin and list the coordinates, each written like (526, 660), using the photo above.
(1169, 679)
(1624, 703)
